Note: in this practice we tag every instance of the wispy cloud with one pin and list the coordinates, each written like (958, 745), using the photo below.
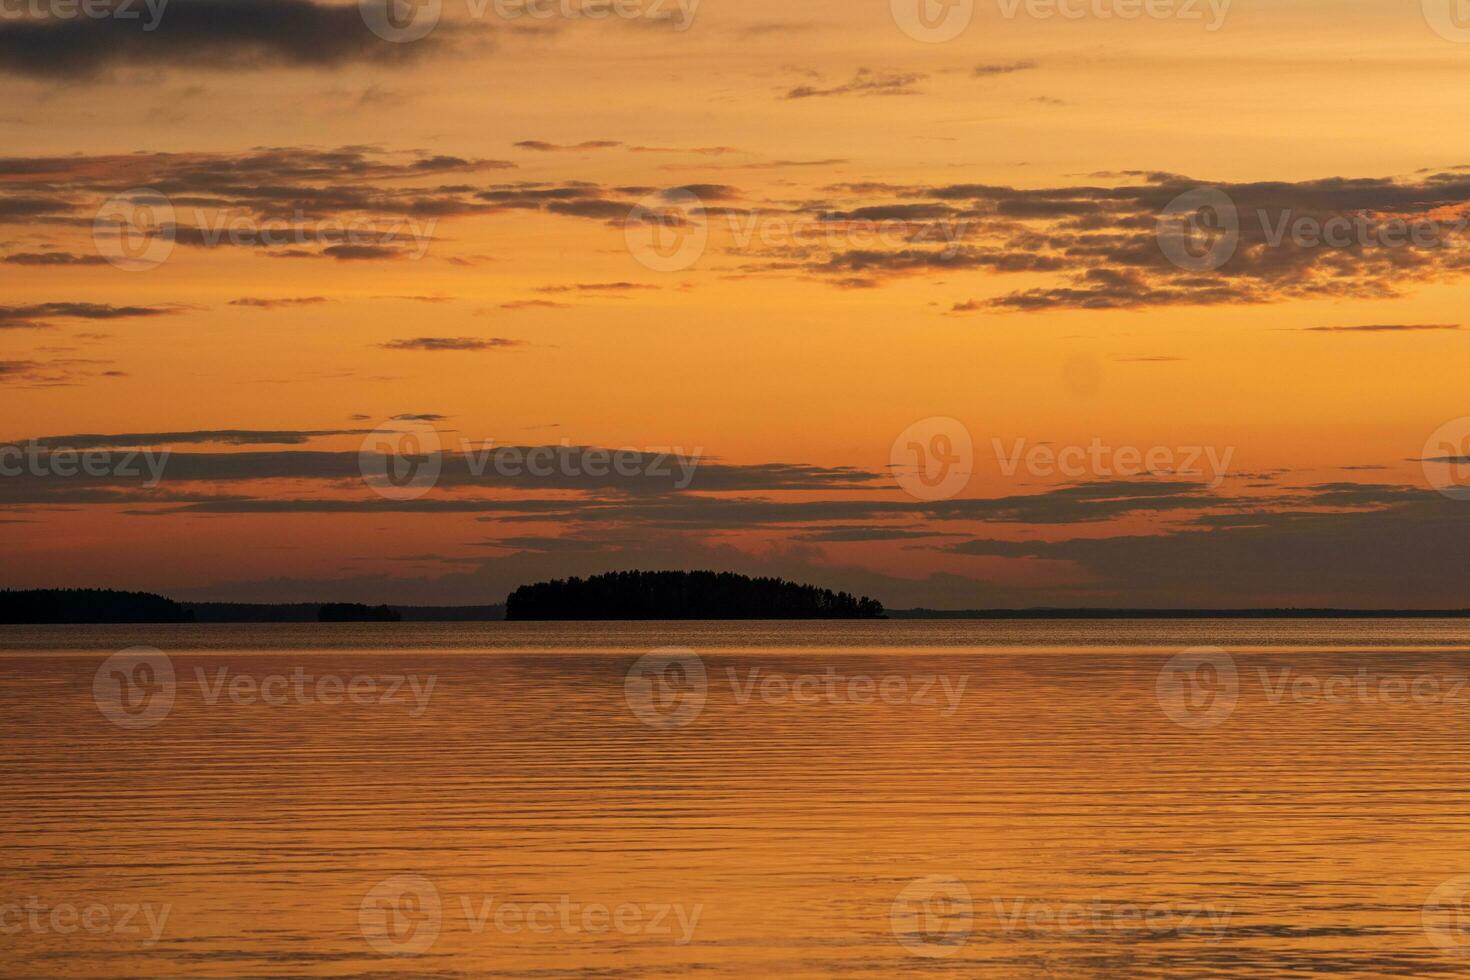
(865, 82)
(40, 314)
(988, 69)
(540, 146)
(452, 344)
(271, 304)
(1385, 328)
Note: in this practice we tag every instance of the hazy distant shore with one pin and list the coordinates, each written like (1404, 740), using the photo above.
(97, 607)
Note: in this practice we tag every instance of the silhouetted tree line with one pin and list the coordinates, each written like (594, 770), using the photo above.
(355, 612)
(684, 595)
(311, 612)
(83, 606)
(89, 606)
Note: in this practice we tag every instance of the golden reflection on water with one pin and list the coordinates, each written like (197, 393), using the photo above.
(1025, 799)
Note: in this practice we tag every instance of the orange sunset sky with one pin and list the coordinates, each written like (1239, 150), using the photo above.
(450, 237)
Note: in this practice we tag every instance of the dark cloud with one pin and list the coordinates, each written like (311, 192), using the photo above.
(201, 34)
(601, 209)
(229, 437)
(20, 206)
(1336, 238)
(358, 202)
(56, 372)
(892, 212)
(349, 253)
(53, 258)
(707, 192)
(861, 532)
(1271, 559)
(40, 314)
(1275, 559)
(643, 481)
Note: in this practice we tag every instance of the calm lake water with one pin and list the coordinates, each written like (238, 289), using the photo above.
(1128, 799)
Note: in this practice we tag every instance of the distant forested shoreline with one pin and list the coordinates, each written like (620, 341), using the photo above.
(683, 595)
(96, 606)
(593, 599)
